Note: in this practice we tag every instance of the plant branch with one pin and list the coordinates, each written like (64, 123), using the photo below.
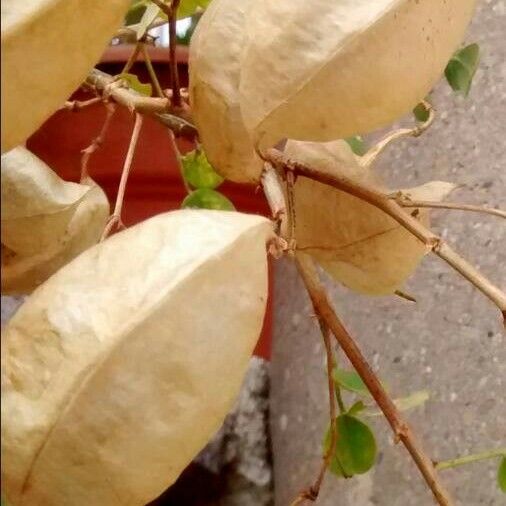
(370, 157)
(77, 105)
(105, 84)
(468, 459)
(383, 202)
(174, 75)
(274, 194)
(179, 162)
(97, 141)
(132, 59)
(404, 201)
(311, 494)
(115, 219)
(151, 71)
(401, 429)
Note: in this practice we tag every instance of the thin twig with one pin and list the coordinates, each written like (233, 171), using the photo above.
(369, 158)
(274, 194)
(133, 58)
(151, 71)
(77, 105)
(103, 83)
(382, 201)
(129, 33)
(401, 429)
(115, 219)
(174, 75)
(468, 459)
(97, 141)
(290, 182)
(311, 494)
(407, 202)
(179, 162)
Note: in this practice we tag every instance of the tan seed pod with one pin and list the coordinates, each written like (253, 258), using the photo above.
(328, 69)
(215, 64)
(37, 205)
(359, 245)
(21, 274)
(48, 46)
(118, 369)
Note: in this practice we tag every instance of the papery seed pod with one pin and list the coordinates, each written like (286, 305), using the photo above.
(118, 369)
(48, 46)
(328, 69)
(37, 205)
(215, 64)
(21, 274)
(359, 245)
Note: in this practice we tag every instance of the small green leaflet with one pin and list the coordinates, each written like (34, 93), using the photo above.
(406, 403)
(356, 408)
(134, 83)
(501, 475)
(189, 7)
(357, 145)
(205, 198)
(349, 380)
(138, 9)
(151, 12)
(135, 12)
(355, 451)
(198, 171)
(461, 68)
(421, 112)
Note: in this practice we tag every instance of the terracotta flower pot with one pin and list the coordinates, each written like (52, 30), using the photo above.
(155, 184)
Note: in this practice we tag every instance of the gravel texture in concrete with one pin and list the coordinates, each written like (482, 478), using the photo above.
(451, 342)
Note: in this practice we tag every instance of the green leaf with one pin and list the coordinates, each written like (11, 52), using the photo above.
(421, 112)
(406, 403)
(189, 7)
(198, 171)
(501, 475)
(135, 12)
(334, 464)
(134, 83)
(356, 408)
(357, 145)
(205, 198)
(151, 12)
(355, 451)
(349, 380)
(461, 68)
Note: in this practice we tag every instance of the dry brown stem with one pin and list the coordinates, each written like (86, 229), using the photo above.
(104, 84)
(133, 58)
(399, 426)
(174, 75)
(370, 157)
(404, 201)
(97, 141)
(76, 105)
(402, 216)
(115, 219)
(151, 71)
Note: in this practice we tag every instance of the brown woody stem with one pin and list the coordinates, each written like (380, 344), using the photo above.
(115, 218)
(370, 157)
(401, 429)
(398, 213)
(151, 71)
(96, 142)
(104, 84)
(407, 202)
(174, 75)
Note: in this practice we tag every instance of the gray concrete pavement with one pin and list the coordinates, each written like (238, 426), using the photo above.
(451, 342)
